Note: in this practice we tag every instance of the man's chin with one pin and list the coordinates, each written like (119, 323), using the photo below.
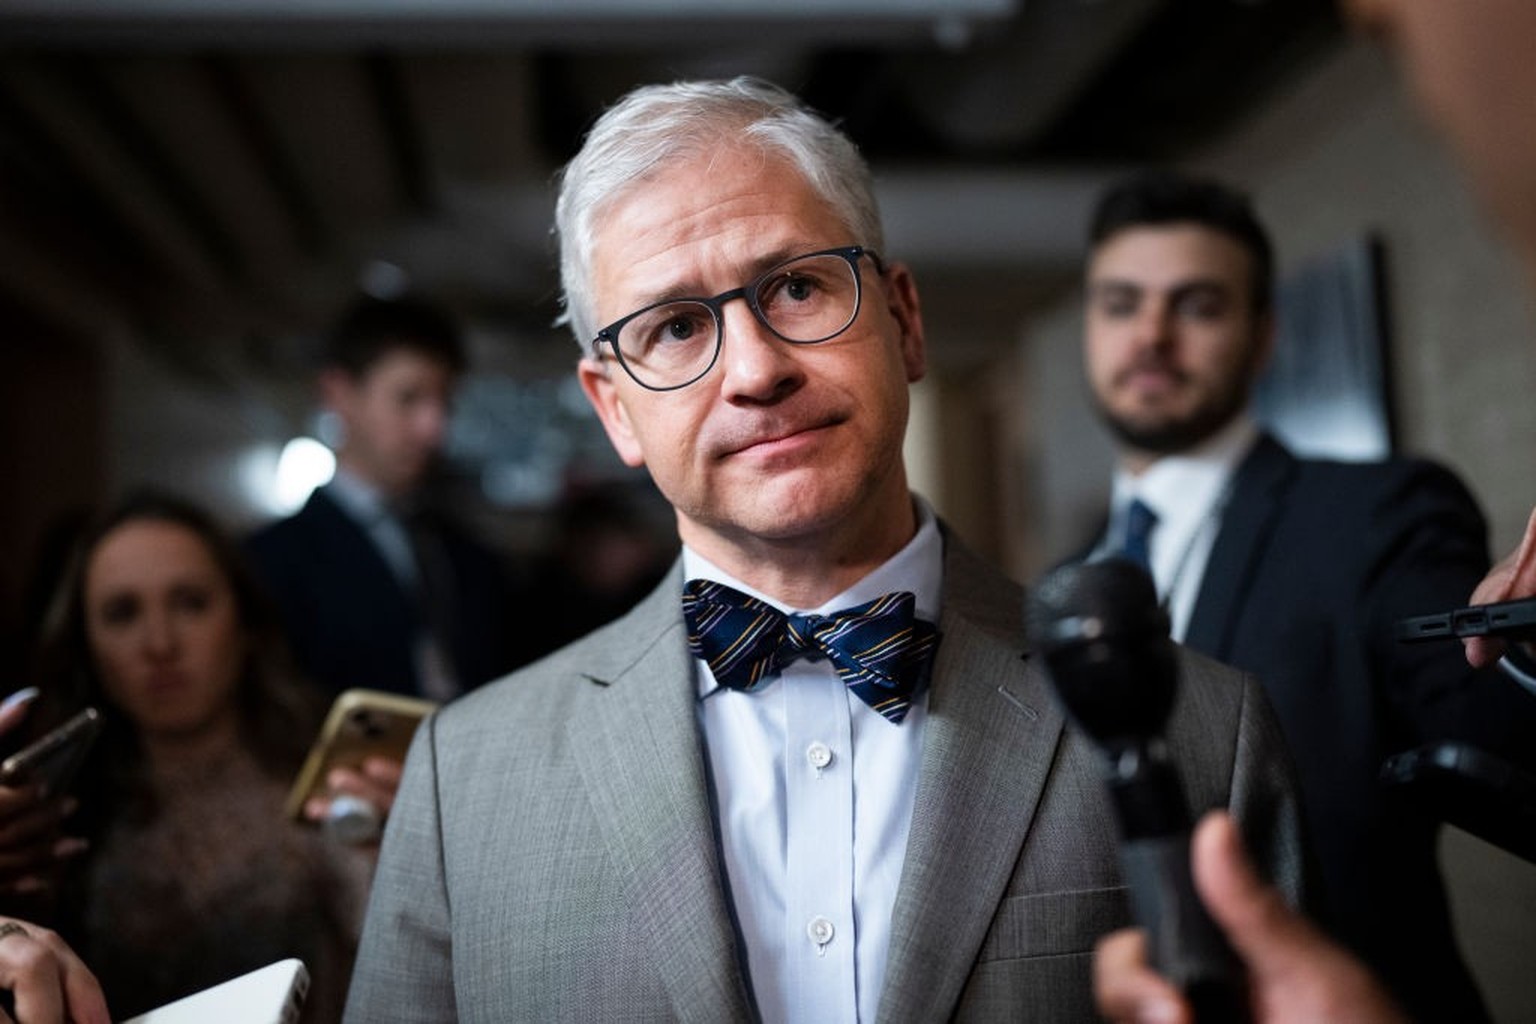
(406, 479)
(1162, 437)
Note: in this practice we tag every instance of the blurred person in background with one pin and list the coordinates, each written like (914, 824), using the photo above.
(179, 870)
(376, 586)
(1472, 69)
(1295, 569)
(607, 555)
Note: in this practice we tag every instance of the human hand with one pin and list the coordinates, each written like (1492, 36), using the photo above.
(48, 983)
(1296, 973)
(375, 784)
(31, 824)
(1514, 577)
(32, 839)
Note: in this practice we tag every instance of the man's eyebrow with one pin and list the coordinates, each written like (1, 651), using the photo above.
(756, 266)
(1201, 285)
(1114, 284)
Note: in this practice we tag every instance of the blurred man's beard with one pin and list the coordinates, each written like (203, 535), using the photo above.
(1168, 435)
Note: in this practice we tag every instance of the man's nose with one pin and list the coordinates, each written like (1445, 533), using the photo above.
(755, 363)
(1154, 324)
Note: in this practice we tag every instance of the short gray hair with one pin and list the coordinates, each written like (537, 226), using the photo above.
(656, 124)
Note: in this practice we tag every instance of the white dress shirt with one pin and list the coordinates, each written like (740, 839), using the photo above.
(814, 793)
(1189, 492)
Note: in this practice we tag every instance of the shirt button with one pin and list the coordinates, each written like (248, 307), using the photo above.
(819, 755)
(820, 930)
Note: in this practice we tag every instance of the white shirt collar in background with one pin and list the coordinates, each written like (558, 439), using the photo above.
(1188, 492)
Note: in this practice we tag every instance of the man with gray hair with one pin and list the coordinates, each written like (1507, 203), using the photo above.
(814, 776)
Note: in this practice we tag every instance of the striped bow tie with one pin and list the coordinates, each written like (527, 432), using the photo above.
(880, 651)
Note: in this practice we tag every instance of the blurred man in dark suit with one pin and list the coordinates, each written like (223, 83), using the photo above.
(1473, 70)
(376, 587)
(1293, 569)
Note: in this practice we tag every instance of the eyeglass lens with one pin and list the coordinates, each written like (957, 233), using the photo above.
(806, 300)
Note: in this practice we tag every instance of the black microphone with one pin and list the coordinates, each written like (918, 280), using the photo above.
(1106, 647)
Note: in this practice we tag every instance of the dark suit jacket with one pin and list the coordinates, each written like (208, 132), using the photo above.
(350, 621)
(1314, 564)
(552, 854)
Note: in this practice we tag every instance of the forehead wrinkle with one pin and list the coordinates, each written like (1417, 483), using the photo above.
(741, 218)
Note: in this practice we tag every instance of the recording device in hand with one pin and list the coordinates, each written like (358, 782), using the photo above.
(1513, 620)
(361, 724)
(1473, 789)
(1106, 648)
(53, 760)
(273, 994)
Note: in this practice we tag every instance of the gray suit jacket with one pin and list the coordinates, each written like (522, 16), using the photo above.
(552, 855)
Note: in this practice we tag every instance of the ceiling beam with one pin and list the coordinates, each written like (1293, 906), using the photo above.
(400, 131)
(277, 164)
(118, 121)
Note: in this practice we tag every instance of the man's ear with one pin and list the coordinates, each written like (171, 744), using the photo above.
(907, 311)
(603, 393)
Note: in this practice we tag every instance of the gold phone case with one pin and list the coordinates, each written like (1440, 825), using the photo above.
(361, 724)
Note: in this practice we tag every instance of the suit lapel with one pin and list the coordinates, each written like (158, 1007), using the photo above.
(989, 740)
(1246, 524)
(640, 755)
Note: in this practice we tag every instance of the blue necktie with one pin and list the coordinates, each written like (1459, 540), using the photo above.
(879, 650)
(1139, 521)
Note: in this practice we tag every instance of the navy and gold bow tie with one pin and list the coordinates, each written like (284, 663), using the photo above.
(880, 651)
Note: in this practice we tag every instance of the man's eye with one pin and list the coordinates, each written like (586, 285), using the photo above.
(789, 289)
(1202, 307)
(667, 329)
(799, 288)
(681, 328)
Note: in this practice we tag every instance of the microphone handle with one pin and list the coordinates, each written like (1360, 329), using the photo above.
(1183, 943)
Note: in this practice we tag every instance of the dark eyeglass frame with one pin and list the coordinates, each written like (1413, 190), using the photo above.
(747, 292)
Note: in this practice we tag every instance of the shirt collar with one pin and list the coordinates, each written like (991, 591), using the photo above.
(357, 497)
(917, 567)
(1184, 485)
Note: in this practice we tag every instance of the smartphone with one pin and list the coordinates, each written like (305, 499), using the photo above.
(1513, 620)
(54, 759)
(361, 724)
(273, 994)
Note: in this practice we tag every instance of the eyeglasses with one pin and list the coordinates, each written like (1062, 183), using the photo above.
(806, 300)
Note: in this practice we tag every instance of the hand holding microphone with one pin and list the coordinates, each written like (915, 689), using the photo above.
(1297, 975)
(1106, 646)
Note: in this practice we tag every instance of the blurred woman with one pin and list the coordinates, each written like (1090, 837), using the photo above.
(188, 873)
